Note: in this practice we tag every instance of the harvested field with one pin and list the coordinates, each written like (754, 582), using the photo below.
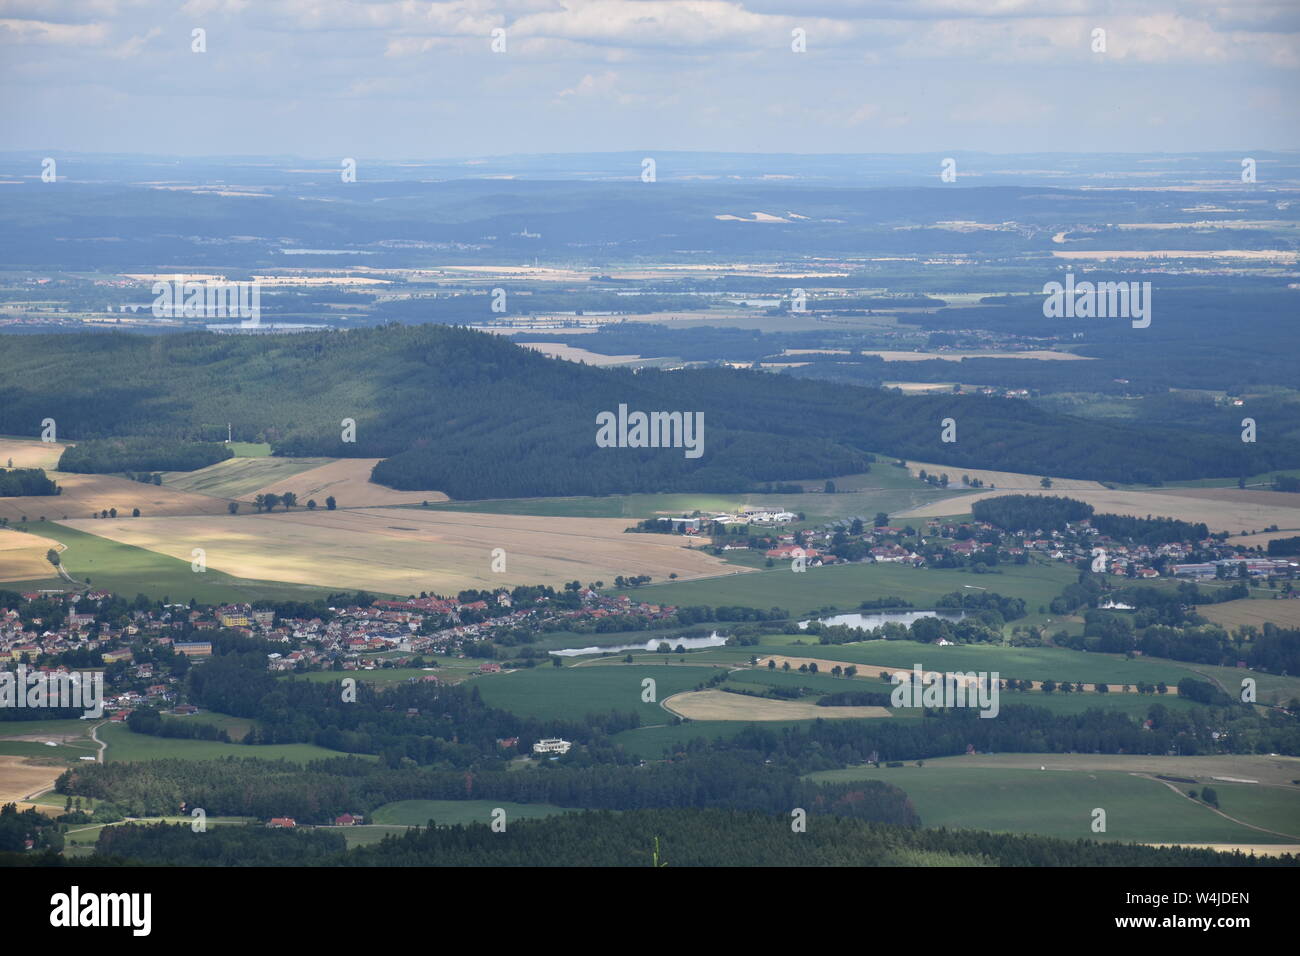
(571, 353)
(1257, 613)
(20, 778)
(1049, 354)
(348, 480)
(719, 705)
(84, 495)
(1005, 480)
(1264, 537)
(22, 556)
(1258, 849)
(408, 551)
(30, 453)
(239, 476)
(1192, 504)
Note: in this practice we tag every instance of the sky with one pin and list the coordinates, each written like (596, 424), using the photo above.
(393, 79)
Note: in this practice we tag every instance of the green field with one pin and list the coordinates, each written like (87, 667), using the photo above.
(567, 693)
(1033, 663)
(129, 571)
(650, 743)
(448, 669)
(240, 476)
(1060, 803)
(87, 835)
(59, 727)
(846, 586)
(417, 813)
(250, 449)
(884, 488)
(124, 746)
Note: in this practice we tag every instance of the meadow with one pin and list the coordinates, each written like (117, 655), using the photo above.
(566, 693)
(126, 747)
(1032, 663)
(845, 586)
(1060, 803)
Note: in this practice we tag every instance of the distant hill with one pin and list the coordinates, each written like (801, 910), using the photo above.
(477, 416)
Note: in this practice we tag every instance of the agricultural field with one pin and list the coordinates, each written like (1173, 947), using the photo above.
(417, 813)
(1255, 612)
(347, 480)
(87, 495)
(1060, 803)
(125, 747)
(406, 551)
(130, 570)
(1222, 509)
(884, 488)
(846, 586)
(1004, 480)
(22, 556)
(449, 670)
(720, 705)
(567, 693)
(30, 453)
(1020, 663)
(236, 477)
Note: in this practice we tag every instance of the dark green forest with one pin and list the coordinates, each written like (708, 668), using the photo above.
(672, 838)
(476, 416)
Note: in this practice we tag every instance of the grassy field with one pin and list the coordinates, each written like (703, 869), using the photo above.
(651, 743)
(884, 488)
(236, 477)
(449, 669)
(1060, 804)
(417, 813)
(1032, 663)
(124, 746)
(129, 570)
(846, 586)
(250, 449)
(567, 693)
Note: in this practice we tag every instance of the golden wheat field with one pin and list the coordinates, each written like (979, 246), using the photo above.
(84, 495)
(22, 556)
(348, 480)
(405, 551)
(1220, 512)
(1005, 480)
(1232, 614)
(33, 453)
(719, 705)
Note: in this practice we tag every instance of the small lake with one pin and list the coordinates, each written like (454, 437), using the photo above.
(690, 643)
(870, 620)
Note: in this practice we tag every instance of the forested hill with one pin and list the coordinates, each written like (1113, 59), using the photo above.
(476, 416)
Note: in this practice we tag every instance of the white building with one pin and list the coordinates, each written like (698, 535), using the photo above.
(552, 745)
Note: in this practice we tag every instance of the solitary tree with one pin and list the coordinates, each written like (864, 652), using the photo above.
(329, 503)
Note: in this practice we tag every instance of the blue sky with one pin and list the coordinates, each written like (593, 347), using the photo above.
(402, 79)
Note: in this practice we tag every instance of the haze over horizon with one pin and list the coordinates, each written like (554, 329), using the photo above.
(400, 80)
